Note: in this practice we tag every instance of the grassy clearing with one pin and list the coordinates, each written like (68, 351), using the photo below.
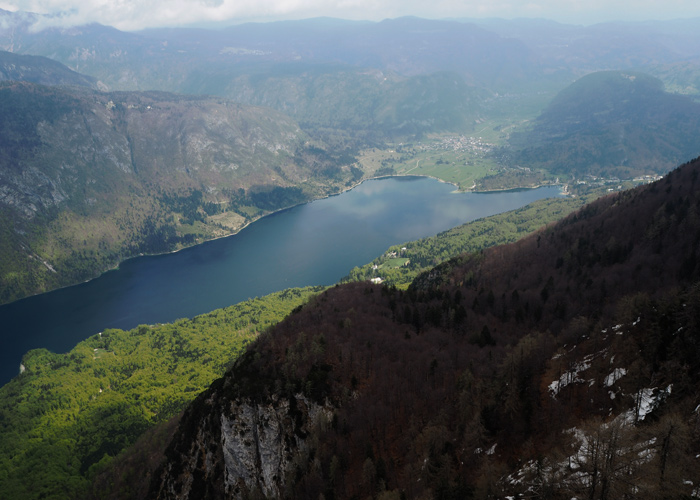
(395, 263)
(232, 221)
(101, 353)
(458, 169)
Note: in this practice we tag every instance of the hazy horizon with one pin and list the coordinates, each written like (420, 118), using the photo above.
(130, 15)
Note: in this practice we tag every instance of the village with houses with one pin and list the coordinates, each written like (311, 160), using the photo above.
(456, 143)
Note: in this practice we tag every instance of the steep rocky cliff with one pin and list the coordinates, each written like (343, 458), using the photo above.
(236, 446)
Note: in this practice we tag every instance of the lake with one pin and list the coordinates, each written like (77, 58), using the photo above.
(313, 244)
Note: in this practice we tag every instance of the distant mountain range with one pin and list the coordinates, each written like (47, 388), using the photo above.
(166, 58)
(288, 65)
(496, 54)
(385, 79)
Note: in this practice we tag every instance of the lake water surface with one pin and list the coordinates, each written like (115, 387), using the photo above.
(313, 244)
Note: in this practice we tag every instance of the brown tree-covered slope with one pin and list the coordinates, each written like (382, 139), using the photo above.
(567, 364)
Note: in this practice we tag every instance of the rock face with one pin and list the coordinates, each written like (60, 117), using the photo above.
(230, 447)
(85, 148)
(260, 442)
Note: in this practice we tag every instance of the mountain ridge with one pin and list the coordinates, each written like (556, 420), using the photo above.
(41, 70)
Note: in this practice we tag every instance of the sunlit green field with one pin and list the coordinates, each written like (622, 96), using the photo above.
(459, 169)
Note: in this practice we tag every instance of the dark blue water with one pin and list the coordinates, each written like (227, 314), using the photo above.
(313, 244)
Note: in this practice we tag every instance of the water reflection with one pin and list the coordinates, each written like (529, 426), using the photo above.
(313, 244)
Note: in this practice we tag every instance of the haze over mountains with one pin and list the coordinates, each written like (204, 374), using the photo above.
(388, 79)
(40, 70)
(496, 54)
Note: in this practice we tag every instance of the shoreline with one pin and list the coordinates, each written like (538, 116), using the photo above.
(407, 178)
(248, 223)
(350, 188)
(505, 190)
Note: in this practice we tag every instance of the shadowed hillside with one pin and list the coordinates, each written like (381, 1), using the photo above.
(40, 70)
(614, 124)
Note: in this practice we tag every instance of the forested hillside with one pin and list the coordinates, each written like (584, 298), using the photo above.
(565, 365)
(88, 179)
(66, 416)
(612, 124)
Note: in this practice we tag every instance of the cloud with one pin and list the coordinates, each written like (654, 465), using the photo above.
(136, 14)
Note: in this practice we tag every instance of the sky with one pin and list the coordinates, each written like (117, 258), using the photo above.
(132, 15)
